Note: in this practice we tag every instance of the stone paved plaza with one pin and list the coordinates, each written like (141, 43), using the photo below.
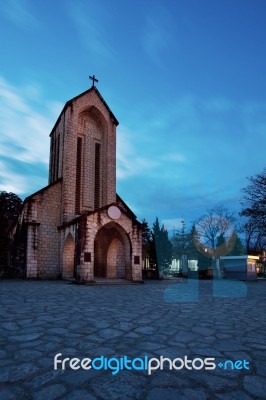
(172, 319)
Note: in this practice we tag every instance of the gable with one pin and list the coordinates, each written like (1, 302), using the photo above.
(71, 103)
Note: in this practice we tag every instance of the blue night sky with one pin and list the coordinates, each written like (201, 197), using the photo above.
(185, 79)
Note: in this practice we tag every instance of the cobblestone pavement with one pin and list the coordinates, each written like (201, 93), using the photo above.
(167, 318)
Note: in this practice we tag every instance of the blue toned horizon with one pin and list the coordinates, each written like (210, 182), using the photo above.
(185, 79)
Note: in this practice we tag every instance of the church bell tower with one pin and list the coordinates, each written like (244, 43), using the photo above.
(83, 154)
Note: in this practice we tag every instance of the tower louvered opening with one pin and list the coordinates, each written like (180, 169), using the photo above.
(97, 180)
(78, 175)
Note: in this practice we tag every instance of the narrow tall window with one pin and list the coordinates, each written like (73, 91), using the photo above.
(54, 158)
(57, 158)
(51, 169)
(78, 175)
(97, 179)
(55, 149)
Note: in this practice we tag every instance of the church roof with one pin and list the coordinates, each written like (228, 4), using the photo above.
(69, 103)
(125, 206)
(28, 198)
(119, 202)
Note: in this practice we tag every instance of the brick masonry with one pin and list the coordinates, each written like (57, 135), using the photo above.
(69, 231)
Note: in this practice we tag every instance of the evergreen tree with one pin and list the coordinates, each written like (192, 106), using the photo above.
(163, 247)
(187, 243)
(146, 233)
(238, 249)
(148, 248)
(146, 243)
(10, 205)
(180, 242)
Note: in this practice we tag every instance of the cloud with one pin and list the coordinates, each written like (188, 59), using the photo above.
(129, 161)
(132, 160)
(91, 28)
(172, 224)
(202, 151)
(18, 12)
(218, 104)
(24, 133)
(194, 156)
(11, 181)
(156, 35)
(174, 157)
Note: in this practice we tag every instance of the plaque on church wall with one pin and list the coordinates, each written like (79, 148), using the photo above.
(87, 257)
(114, 212)
(136, 259)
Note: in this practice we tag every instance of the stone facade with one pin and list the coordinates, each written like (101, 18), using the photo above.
(77, 226)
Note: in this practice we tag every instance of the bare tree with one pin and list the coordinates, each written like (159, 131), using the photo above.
(254, 211)
(217, 223)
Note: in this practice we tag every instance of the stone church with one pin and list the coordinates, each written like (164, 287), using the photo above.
(77, 227)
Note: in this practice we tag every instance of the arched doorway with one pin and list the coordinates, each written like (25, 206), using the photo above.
(68, 257)
(116, 260)
(112, 252)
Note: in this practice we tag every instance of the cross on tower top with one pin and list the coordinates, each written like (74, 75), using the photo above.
(93, 80)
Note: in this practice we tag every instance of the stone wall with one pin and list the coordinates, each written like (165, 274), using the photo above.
(128, 231)
(43, 216)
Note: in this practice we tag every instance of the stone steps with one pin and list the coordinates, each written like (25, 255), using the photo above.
(104, 281)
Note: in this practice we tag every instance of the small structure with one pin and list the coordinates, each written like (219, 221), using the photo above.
(240, 267)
